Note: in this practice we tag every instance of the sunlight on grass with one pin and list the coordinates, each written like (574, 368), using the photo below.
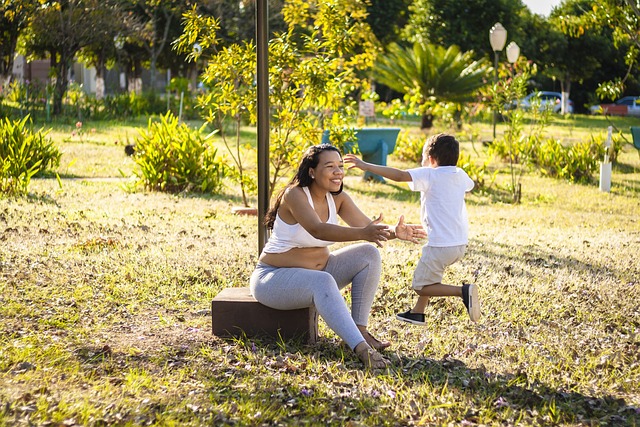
(105, 307)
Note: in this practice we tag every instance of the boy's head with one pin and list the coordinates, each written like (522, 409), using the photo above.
(443, 149)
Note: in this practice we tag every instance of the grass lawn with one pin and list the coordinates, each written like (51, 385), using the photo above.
(105, 306)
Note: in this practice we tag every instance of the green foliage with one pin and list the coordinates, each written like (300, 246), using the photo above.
(464, 24)
(478, 173)
(27, 98)
(394, 110)
(428, 74)
(131, 104)
(23, 154)
(409, 147)
(173, 158)
(231, 95)
(518, 143)
(76, 98)
(19, 99)
(179, 85)
(320, 65)
(575, 163)
(231, 98)
(60, 31)
(623, 19)
(316, 71)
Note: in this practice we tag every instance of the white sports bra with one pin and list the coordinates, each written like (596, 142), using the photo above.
(288, 236)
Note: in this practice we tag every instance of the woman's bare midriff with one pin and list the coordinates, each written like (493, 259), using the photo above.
(311, 258)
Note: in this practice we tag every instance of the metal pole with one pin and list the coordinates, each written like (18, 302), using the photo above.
(495, 81)
(262, 45)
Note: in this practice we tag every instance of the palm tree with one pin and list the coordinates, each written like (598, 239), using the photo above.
(432, 73)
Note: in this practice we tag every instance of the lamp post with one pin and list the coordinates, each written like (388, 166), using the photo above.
(262, 74)
(513, 52)
(497, 38)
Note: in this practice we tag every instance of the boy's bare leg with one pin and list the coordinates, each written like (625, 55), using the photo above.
(435, 290)
(440, 290)
(421, 304)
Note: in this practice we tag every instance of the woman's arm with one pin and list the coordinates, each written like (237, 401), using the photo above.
(352, 215)
(295, 207)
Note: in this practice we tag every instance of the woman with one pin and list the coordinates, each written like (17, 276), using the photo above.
(296, 268)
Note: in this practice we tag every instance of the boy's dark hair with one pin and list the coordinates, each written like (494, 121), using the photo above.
(444, 149)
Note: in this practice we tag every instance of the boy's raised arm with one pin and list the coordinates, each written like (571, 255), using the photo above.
(393, 174)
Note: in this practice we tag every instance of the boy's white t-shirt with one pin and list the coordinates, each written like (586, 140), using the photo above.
(442, 208)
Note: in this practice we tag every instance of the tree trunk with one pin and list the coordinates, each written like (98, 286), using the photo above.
(134, 80)
(153, 71)
(6, 62)
(427, 121)
(157, 48)
(5, 80)
(61, 67)
(565, 88)
(100, 89)
(100, 86)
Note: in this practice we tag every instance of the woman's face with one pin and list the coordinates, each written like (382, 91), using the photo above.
(329, 172)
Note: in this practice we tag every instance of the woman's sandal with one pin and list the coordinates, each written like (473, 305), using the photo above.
(370, 357)
(375, 343)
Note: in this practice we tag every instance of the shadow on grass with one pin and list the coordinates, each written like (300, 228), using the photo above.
(515, 392)
(624, 168)
(53, 175)
(535, 257)
(514, 395)
(279, 388)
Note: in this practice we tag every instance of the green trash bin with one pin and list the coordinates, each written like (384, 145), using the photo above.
(375, 144)
(635, 135)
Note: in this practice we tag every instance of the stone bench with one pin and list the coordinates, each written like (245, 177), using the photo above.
(236, 313)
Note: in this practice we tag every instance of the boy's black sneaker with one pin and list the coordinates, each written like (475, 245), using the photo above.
(408, 316)
(471, 301)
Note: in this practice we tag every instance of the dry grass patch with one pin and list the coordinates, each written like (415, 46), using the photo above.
(105, 320)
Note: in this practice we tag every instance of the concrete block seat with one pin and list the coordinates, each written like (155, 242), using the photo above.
(236, 313)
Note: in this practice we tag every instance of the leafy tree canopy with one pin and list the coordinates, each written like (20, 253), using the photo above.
(622, 17)
(464, 24)
(428, 74)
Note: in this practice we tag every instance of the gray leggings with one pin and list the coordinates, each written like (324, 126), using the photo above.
(293, 288)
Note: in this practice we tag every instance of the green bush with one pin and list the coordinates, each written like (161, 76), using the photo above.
(409, 147)
(23, 154)
(515, 149)
(575, 163)
(478, 173)
(131, 104)
(173, 158)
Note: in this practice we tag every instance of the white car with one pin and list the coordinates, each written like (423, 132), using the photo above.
(546, 99)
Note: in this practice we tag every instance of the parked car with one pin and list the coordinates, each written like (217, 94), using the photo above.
(546, 99)
(626, 106)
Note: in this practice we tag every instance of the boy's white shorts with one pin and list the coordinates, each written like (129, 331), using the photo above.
(433, 261)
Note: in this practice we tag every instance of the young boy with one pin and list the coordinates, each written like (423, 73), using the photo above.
(443, 213)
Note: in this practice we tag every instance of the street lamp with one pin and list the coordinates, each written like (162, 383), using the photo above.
(497, 38)
(513, 52)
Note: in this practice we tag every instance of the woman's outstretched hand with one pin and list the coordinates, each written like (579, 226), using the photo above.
(410, 232)
(376, 232)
